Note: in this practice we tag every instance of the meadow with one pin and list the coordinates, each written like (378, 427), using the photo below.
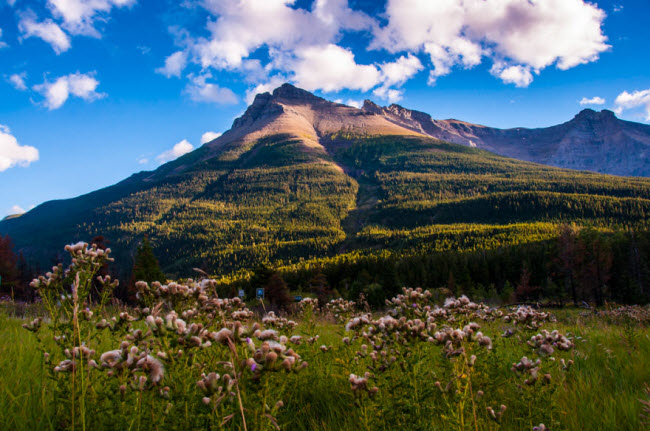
(187, 359)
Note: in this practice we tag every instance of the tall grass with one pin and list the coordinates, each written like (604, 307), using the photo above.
(601, 392)
(189, 360)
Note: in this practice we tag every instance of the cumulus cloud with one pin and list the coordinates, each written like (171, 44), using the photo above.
(243, 27)
(79, 16)
(16, 209)
(200, 90)
(2, 44)
(390, 94)
(183, 147)
(401, 70)
(526, 35)
(354, 103)
(265, 87)
(637, 99)
(396, 74)
(174, 65)
(521, 76)
(593, 101)
(332, 68)
(519, 38)
(18, 81)
(209, 136)
(77, 84)
(47, 30)
(13, 154)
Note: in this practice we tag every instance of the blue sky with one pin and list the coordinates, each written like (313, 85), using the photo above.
(92, 91)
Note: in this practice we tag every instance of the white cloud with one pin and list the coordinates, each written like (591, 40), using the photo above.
(47, 30)
(2, 44)
(244, 26)
(518, 37)
(77, 84)
(143, 160)
(16, 209)
(593, 101)
(183, 147)
(521, 76)
(174, 65)
(79, 16)
(618, 8)
(266, 87)
(209, 136)
(13, 154)
(390, 94)
(332, 68)
(200, 90)
(354, 103)
(401, 70)
(633, 100)
(525, 34)
(18, 81)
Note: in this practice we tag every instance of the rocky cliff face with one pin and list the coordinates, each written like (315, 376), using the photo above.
(593, 141)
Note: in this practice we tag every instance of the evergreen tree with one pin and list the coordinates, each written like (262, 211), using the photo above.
(507, 293)
(318, 285)
(277, 292)
(146, 267)
(8, 270)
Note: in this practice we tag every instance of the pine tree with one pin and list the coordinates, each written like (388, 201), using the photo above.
(8, 261)
(146, 267)
(277, 292)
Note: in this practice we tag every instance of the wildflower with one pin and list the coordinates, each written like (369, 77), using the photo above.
(268, 334)
(111, 358)
(34, 325)
(222, 336)
(153, 366)
(64, 366)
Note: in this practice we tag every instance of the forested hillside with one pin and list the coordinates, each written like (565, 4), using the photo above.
(303, 201)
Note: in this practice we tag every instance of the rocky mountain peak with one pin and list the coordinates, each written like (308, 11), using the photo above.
(266, 105)
(591, 115)
(261, 107)
(289, 92)
(370, 106)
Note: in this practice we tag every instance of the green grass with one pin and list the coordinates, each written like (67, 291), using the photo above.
(601, 391)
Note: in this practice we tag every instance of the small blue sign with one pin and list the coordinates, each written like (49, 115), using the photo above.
(241, 293)
(297, 298)
(259, 292)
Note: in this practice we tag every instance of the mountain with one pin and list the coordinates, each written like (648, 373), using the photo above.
(591, 141)
(298, 177)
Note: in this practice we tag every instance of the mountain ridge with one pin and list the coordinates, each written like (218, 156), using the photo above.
(300, 177)
(592, 141)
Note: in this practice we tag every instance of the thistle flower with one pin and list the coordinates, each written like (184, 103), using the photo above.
(268, 334)
(34, 325)
(153, 367)
(222, 336)
(65, 366)
(111, 358)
